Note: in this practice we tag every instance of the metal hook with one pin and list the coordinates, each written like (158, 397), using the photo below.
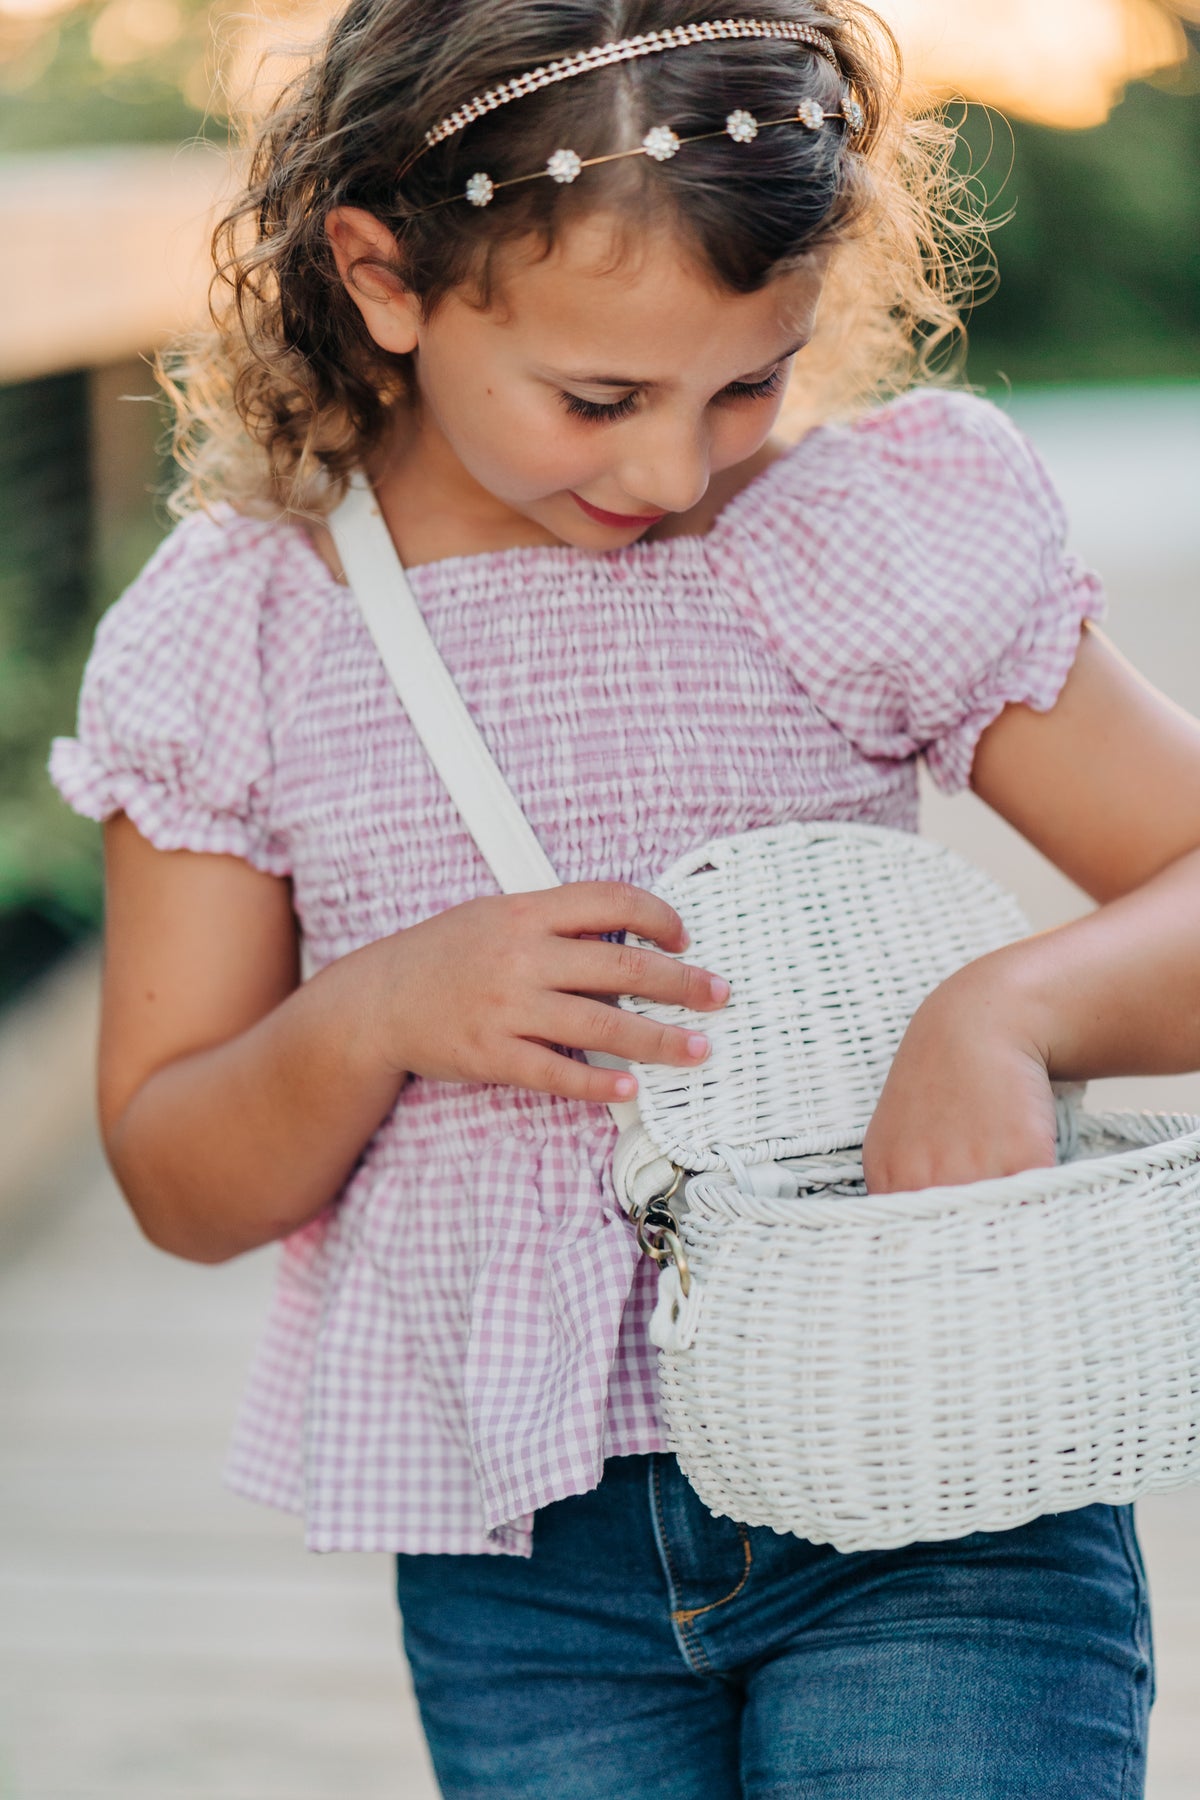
(658, 1236)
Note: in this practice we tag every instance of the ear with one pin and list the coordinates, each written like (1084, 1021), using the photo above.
(360, 242)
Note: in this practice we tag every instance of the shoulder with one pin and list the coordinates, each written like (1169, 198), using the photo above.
(972, 448)
(194, 675)
(934, 500)
(217, 576)
(927, 418)
(222, 623)
(942, 452)
(911, 568)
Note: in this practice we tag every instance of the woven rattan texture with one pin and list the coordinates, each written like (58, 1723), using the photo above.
(830, 936)
(870, 1372)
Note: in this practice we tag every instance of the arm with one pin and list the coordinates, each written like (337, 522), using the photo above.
(234, 1102)
(1107, 785)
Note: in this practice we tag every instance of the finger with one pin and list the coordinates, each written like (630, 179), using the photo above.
(590, 967)
(601, 906)
(536, 1066)
(590, 1025)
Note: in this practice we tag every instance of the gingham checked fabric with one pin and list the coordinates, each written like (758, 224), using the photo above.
(461, 1338)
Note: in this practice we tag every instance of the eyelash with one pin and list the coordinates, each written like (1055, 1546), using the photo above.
(620, 409)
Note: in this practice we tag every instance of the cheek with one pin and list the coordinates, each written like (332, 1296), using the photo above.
(524, 447)
(738, 431)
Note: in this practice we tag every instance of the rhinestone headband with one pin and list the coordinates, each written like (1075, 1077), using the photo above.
(660, 142)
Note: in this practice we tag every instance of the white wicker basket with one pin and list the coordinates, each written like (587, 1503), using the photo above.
(869, 1371)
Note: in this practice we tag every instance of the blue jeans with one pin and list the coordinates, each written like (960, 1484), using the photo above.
(648, 1651)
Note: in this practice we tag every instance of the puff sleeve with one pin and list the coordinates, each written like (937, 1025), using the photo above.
(918, 581)
(174, 724)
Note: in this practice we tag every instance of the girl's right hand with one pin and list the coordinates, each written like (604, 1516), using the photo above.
(484, 991)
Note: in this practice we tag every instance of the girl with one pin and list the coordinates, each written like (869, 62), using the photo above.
(549, 301)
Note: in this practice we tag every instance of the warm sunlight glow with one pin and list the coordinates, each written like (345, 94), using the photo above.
(1063, 62)
(270, 47)
(129, 29)
(33, 9)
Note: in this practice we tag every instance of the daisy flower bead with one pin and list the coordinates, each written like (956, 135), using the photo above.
(564, 165)
(661, 143)
(480, 189)
(742, 126)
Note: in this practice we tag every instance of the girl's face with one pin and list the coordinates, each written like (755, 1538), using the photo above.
(592, 386)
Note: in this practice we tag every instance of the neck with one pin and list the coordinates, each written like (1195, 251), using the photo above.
(433, 506)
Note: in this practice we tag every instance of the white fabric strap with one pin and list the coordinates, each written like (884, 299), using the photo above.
(428, 694)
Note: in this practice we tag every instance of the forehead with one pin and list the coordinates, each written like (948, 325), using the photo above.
(605, 292)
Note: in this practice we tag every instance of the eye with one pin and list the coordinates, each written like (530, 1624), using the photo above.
(588, 409)
(620, 409)
(756, 390)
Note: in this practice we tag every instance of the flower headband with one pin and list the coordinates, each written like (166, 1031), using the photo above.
(660, 142)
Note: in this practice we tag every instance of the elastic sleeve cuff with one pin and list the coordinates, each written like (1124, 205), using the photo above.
(1032, 674)
(159, 812)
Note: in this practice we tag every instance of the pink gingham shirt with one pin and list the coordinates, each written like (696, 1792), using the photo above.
(460, 1337)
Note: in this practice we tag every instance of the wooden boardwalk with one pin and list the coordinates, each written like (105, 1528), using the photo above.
(161, 1639)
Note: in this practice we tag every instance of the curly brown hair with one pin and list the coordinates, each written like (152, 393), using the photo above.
(287, 393)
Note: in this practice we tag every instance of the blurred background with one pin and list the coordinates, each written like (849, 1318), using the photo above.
(157, 1638)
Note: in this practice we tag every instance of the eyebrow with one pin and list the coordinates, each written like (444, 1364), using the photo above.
(632, 381)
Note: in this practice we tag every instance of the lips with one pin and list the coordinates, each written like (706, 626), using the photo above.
(612, 518)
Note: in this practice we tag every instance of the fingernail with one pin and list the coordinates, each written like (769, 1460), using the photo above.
(697, 1045)
(626, 1086)
(687, 938)
(718, 987)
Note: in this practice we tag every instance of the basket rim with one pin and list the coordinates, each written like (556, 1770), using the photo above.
(1028, 1186)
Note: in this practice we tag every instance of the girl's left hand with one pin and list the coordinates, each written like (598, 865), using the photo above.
(968, 1095)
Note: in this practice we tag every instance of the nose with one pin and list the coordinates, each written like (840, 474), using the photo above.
(666, 469)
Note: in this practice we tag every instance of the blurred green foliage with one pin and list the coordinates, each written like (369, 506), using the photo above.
(112, 72)
(47, 864)
(1100, 261)
(71, 537)
(1100, 282)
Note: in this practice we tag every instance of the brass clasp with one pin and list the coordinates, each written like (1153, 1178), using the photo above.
(658, 1234)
